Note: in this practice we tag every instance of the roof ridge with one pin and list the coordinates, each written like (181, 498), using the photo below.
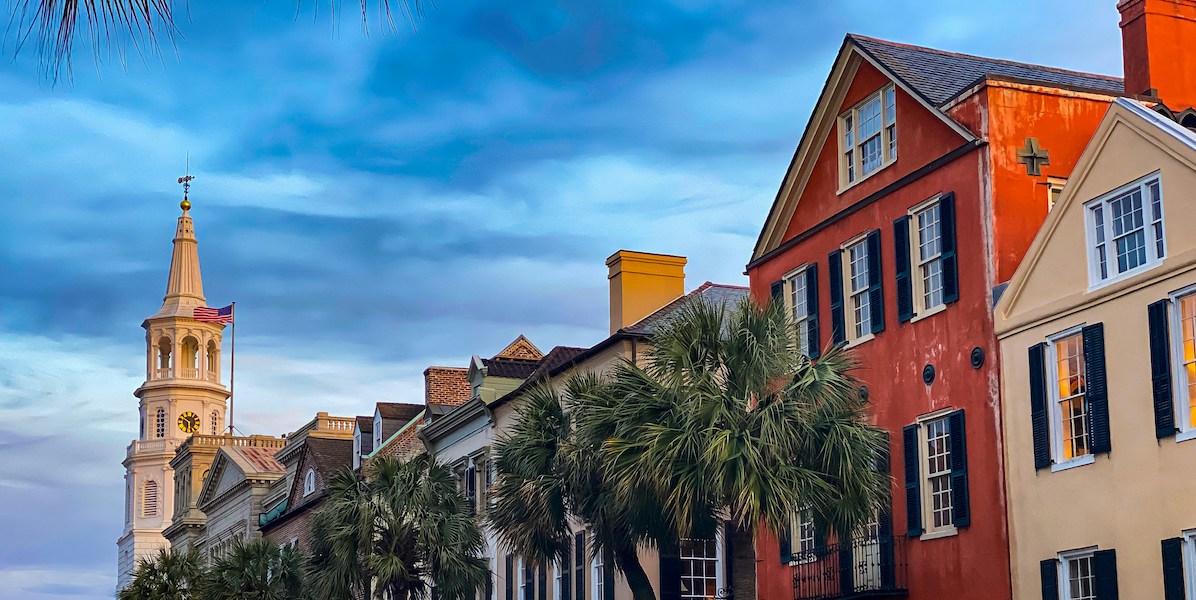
(856, 36)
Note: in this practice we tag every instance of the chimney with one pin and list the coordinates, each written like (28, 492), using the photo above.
(446, 385)
(1156, 40)
(640, 283)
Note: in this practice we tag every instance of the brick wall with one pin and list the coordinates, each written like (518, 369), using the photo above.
(297, 528)
(446, 385)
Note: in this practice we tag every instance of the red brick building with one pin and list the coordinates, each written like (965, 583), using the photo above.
(916, 188)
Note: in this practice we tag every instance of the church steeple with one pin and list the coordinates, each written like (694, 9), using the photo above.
(184, 286)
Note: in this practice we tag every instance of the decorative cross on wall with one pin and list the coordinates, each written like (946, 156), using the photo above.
(1033, 156)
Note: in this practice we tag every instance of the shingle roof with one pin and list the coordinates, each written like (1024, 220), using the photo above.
(513, 369)
(365, 424)
(256, 461)
(714, 293)
(940, 76)
(555, 359)
(398, 410)
(330, 456)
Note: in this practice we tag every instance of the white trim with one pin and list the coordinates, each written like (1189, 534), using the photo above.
(917, 281)
(1064, 569)
(1189, 562)
(1055, 426)
(1078, 461)
(929, 530)
(1153, 259)
(309, 481)
(938, 308)
(1179, 375)
(789, 290)
(849, 322)
(856, 166)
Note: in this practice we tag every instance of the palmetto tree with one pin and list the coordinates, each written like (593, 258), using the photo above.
(550, 474)
(393, 535)
(169, 575)
(728, 419)
(258, 570)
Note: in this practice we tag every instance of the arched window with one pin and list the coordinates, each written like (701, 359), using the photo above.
(160, 423)
(309, 482)
(164, 363)
(190, 362)
(213, 360)
(149, 499)
(215, 422)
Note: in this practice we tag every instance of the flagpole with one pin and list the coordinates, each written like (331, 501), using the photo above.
(232, 376)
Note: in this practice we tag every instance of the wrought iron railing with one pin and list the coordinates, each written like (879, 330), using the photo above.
(873, 567)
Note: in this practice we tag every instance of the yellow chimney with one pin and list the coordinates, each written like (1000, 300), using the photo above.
(641, 283)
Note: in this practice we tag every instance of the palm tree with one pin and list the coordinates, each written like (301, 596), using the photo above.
(170, 575)
(258, 570)
(550, 474)
(729, 420)
(391, 536)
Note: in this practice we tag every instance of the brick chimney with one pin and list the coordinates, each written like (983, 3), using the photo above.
(640, 283)
(446, 385)
(1156, 46)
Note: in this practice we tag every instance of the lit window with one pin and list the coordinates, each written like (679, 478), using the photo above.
(937, 475)
(1126, 231)
(1184, 315)
(859, 308)
(1067, 383)
(1054, 190)
(309, 482)
(869, 135)
(928, 257)
(699, 569)
(160, 423)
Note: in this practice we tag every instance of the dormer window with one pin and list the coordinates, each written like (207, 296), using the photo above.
(868, 136)
(357, 449)
(1125, 231)
(309, 482)
(377, 431)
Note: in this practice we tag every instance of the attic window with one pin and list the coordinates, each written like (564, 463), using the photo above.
(309, 482)
(868, 136)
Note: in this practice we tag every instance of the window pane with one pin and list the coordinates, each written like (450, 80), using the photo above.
(890, 105)
(1070, 393)
(858, 289)
(699, 566)
(870, 153)
(870, 118)
(938, 471)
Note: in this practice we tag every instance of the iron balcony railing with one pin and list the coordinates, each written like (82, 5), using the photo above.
(872, 567)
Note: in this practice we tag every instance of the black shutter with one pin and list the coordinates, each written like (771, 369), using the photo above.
(884, 523)
(846, 573)
(579, 565)
(489, 585)
(670, 572)
(905, 282)
(728, 554)
(1173, 569)
(1160, 369)
(834, 263)
(510, 577)
(777, 291)
(543, 579)
(1050, 579)
(960, 502)
(1039, 420)
(1095, 389)
(566, 568)
(1104, 571)
(950, 262)
(876, 295)
(786, 544)
(913, 492)
(811, 331)
(608, 577)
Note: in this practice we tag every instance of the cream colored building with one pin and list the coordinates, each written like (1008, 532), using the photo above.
(182, 395)
(1099, 374)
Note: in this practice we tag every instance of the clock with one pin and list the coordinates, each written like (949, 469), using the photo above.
(189, 422)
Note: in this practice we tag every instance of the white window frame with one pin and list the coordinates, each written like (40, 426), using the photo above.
(558, 569)
(309, 481)
(377, 431)
(1059, 463)
(849, 319)
(851, 161)
(792, 280)
(1064, 569)
(929, 531)
(718, 564)
(597, 576)
(526, 589)
(921, 309)
(1149, 219)
(1189, 553)
(1179, 375)
(1054, 189)
(803, 553)
(357, 449)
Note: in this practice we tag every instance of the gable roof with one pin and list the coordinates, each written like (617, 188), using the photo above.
(235, 464)
(398, 410)
(511, 369)
(521, 348)
(715, 293)
(932, 77)
(330, 456)
(939, 76)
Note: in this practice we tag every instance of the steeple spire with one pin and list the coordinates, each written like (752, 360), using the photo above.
(184, 287)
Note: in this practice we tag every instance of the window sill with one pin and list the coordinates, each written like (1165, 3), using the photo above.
(1087, 459)
(865, 177)
(1183, 436)
(1112, 279)
(926, 315)
(941, 533)
(859, 340)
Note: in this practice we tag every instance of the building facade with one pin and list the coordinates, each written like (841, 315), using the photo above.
(1099, 376)
(916, 188)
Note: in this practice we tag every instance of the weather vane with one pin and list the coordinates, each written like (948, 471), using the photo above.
(186, 181)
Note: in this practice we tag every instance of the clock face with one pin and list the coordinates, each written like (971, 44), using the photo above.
(189, 422)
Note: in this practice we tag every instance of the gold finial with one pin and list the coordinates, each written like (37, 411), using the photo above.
(186, 181)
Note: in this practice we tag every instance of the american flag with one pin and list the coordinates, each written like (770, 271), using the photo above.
(207, 314)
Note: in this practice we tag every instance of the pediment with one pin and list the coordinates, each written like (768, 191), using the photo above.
(224, 475)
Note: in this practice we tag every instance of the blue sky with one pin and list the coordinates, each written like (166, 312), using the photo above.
(377, 205)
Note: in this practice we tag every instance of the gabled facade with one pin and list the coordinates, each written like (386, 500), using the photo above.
(233, 495)
(916, 188)
(1099, 374)
(317, 461)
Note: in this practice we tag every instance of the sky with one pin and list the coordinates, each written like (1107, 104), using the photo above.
(379, 203)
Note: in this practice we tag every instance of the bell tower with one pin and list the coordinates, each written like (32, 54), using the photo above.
(182, 395)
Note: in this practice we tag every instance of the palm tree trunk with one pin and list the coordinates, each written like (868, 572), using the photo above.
(743, 562)
(627, 558)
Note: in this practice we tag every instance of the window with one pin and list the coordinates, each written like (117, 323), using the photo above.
(527, 581)
(699, 569)
(1184, 316)
(309, 482)
(579, 565)
(377, 432)
(1054, 187)
(471, 488)
(803, 302)
(805, 536)
(1125, 231)
(598, 576)
(928, 257)
(937, 476)
(160, 423)
(215, 422)
(859, 307)
(1069, 401)
(149, 499)
(1077, 577)
(357, 448)
(869, 136)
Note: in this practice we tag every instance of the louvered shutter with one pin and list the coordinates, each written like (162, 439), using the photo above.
(728, 553)
(960, 502)
(846, 573)
(1173, 569)
(1039, 417)
(1160, 368)
(777, 291)
(1104, 571)
(670, 572)
(566, 568)
(786, 545)
(811, 331)
(950, 262)
(1049, 571)
(876, 295)
(510, 568)
(913, 492)
(579, 565)
(834, 263)
(905, 282)
(884, 523)
(608, 577)
(1095, 388)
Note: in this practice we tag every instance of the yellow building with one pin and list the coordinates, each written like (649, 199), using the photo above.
(1099, 374)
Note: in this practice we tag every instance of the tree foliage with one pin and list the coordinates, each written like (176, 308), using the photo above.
(169, 575)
